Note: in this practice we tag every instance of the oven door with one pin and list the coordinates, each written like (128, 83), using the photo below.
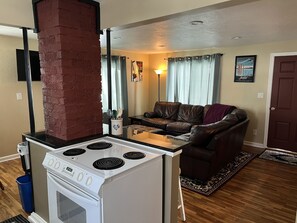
(67, 204)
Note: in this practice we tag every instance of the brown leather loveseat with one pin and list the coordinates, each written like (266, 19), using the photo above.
(216, 133)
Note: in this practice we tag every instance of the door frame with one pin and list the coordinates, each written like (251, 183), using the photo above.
(269, 89)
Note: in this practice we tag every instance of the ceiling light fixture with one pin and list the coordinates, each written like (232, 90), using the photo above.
(236, 37)
(197, 22)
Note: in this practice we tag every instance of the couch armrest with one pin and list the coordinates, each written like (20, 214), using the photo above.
(150, 115)
(201, 135)
(227, 144)
(232, 138)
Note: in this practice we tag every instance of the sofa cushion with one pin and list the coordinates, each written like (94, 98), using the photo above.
(167, 110)
(202, 134)
(216, 112)
(156, 122)
(190, 113)
(206, 107)
(181, 127)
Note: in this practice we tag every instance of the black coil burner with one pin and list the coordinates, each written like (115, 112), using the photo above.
(108, 163)
(99, 145)
(134, 155)
(74, 152)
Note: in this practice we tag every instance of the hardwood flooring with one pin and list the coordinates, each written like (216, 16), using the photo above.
(10, 204)
(263, 191)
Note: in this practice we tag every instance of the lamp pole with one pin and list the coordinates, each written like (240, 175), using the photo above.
(158, 72)
(158, 87)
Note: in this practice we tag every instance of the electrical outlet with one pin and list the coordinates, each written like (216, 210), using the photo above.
(255, 132)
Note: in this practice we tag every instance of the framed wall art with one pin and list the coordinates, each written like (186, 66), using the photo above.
(245, 68)
(136, 71)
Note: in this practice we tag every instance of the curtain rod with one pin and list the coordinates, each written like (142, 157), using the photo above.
(221, 54)
(104, 55)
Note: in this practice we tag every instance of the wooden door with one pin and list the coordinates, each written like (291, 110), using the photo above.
(282, 131)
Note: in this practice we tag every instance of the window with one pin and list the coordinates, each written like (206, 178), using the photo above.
(119, 94)
(194, 80)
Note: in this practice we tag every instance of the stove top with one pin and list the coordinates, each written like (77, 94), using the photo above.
(134, 155)
(108, 163)
(90, 163)
(99, 145)
(74, 152)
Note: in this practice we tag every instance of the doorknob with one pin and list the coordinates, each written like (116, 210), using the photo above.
(272, 108)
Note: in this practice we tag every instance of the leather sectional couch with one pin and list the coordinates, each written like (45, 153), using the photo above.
(173, 117)
(216, 133)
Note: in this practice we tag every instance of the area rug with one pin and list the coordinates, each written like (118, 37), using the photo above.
(207, 188)
(17, 219)
(279, 156)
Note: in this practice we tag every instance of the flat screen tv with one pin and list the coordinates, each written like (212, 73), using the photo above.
(34, 62)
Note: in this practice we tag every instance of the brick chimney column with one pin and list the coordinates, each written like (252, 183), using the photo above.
(69, 50)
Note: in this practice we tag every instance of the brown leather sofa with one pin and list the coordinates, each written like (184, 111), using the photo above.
(213, 146)
(216, 133)
(173, 117)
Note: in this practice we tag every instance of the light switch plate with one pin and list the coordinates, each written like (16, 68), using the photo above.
(260, 95)
(19, 96)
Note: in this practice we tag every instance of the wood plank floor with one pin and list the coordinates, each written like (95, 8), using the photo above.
(10, 204)
(263, 191)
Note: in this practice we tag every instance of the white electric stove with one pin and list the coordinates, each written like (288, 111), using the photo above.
(104, 180)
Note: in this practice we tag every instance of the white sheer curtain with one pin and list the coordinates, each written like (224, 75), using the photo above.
(194, 80)
(119, 92)
(178, 82)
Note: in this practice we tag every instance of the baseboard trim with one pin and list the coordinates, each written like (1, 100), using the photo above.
(35, 218)
(10, 157)
(254, 144)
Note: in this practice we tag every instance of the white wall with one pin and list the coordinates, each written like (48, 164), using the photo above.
(14, 115)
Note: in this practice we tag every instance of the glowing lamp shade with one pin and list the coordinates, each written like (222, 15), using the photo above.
(158, 72)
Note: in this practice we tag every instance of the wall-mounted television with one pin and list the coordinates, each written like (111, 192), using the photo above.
(34, 62)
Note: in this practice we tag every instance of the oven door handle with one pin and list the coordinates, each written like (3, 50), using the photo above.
(71, 191)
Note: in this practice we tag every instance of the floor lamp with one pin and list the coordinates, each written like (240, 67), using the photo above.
(158, 72)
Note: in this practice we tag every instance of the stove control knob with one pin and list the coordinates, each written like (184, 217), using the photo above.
(80, 176)
(51, 162)
(89, 181)
(57, 165)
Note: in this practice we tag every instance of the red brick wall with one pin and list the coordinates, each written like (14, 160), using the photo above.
(69, 51)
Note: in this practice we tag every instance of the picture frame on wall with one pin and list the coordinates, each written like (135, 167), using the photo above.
(136, 71)
(245, 68)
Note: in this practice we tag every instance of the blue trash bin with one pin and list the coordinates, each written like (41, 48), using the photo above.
(25, 191)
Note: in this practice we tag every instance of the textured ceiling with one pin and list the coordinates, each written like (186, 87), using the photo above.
(255, 22)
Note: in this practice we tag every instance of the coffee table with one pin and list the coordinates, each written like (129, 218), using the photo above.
(136, 129)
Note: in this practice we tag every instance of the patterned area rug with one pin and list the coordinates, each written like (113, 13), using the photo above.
(220, 178)
(279, 156)
(17, 219)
